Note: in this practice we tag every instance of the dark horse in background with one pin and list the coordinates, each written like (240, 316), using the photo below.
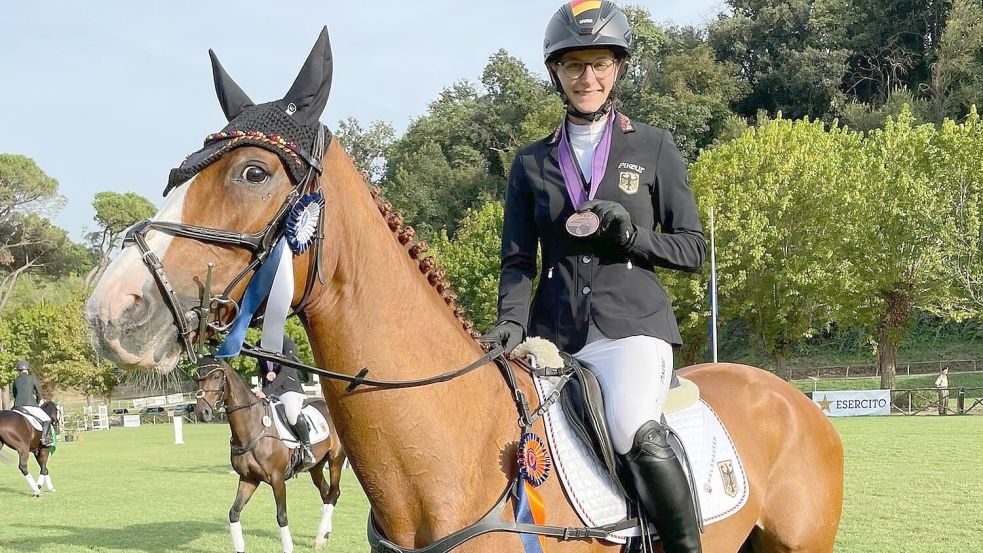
(17, 433)
(259, 455)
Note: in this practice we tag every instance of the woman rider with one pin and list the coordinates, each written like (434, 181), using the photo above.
(607, 199)
(284, 383)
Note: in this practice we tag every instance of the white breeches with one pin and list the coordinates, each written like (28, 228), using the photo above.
(37, 413)
(293, 403)
(634, 374)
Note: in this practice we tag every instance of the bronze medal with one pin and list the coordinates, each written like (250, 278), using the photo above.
(583, 224)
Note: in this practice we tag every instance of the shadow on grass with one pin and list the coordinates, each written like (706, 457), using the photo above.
(149, 537)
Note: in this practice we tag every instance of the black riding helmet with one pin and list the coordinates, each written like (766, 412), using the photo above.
(584, 24)
(23, 365)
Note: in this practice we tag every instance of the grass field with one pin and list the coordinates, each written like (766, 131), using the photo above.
(913, 485)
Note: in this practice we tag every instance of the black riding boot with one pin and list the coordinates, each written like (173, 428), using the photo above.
(46, 434)
(300, 429)
(662, 489)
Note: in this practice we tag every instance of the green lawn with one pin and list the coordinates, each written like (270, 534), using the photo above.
(132, 490)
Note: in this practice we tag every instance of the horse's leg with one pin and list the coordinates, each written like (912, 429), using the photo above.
(42, 458)
(245, 491)
(280, 497)
(22, 465)
(330, 491)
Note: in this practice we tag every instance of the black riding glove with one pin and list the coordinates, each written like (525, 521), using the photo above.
(508, 334)
(616, 226)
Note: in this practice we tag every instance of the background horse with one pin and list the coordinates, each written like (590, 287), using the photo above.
(435, 459)
(259, 455)
(18, 434)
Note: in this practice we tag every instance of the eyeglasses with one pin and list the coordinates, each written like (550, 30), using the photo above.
(574, 69)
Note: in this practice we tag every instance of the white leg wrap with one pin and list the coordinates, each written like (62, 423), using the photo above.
(285, 540)
(35, 489)
(48, 483)
(238, 542)
(41, 479)
(324, 528)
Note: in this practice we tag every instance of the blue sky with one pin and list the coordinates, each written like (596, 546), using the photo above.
(110, 95)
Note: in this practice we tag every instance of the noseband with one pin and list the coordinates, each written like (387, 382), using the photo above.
(212, 311)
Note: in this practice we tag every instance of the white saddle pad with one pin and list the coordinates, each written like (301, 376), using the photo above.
(719, 473)
(34, 415)
(316, 423)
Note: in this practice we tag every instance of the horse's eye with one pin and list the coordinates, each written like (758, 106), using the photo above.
(255, 174)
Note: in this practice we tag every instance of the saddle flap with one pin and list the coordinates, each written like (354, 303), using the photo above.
(583, 404)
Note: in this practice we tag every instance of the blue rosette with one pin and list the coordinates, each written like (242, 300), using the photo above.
(302, 223)
(534, 459)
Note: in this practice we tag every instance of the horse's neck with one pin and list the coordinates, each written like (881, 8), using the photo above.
(378, 312)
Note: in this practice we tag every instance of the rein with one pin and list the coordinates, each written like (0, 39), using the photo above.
(236, 450)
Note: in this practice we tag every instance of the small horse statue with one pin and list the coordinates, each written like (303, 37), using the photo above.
(434, 458)
(19, 434)
(260, 455)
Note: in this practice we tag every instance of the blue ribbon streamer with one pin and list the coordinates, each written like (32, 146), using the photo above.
(256, 292)
(530, 542)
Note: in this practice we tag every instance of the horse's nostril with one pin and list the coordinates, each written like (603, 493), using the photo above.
(135, 308)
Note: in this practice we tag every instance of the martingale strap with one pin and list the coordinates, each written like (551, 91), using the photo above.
(492, 522)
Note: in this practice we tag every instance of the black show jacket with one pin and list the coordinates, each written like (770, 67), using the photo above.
(582, 279)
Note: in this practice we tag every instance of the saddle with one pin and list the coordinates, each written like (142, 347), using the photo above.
(31, 415)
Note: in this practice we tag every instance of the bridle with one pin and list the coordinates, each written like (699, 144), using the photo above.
(222, 403)
(213, 310)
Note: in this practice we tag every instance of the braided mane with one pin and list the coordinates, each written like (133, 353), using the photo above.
(428, 265)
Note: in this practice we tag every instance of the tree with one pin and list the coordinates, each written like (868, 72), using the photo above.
(33, 243)
(368, 148)
(115, 213)
(674, 81)
(899, 247)
(782, 221)
(956, 81)
(958, 170)
(791, 54)
(472, 261)
(24, 187)
(456, 157)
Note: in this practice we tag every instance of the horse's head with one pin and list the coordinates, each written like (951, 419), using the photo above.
(252, 186)
(212, 376)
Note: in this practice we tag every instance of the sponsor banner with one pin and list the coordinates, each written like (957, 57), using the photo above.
(853, 403)
(154, 401)
(175, 398)
(131, 421)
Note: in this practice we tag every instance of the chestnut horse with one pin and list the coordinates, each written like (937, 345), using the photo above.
(258, 455)
(434, 459)
(18, 434)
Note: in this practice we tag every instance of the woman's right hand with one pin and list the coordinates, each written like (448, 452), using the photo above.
(508, 334)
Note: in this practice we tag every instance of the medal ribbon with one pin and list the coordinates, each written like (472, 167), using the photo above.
(571, 177)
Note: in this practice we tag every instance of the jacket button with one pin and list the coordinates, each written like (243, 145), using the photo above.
(585, 259)
(586, 290)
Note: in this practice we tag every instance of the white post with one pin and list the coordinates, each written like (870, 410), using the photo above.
(713, 288)
(178, 429)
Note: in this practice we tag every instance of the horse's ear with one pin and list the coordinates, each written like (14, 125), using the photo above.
(313, 84)
(232, 98)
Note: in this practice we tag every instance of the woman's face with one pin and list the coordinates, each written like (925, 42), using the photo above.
(589, 90)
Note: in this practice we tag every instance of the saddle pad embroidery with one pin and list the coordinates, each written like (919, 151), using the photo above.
(595, 496)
